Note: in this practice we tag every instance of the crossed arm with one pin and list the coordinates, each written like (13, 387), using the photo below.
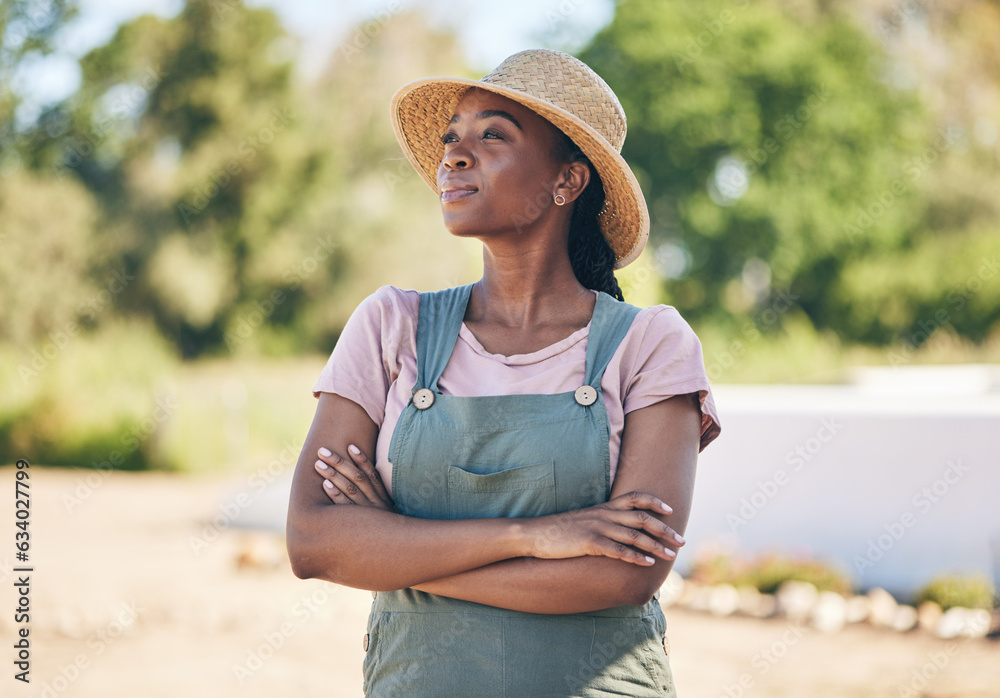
(589, 561)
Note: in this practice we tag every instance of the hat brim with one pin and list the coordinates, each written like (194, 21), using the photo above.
(422, 109)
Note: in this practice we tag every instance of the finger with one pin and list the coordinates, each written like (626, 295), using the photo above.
(640, 500)
(335, 495)
(358, 487)
(620, 551)
(643, 520)
(637, 539)
(341, 490)
(368, 468)
(349, 488)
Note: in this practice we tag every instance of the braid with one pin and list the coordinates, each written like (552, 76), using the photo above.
(590, 255)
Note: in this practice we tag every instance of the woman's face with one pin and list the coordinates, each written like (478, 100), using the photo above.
(498, 172)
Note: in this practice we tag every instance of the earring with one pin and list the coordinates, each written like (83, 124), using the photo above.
(559, 199)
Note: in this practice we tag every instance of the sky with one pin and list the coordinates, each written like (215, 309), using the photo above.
(488, 32)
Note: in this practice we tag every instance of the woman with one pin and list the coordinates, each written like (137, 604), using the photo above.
(499, 455)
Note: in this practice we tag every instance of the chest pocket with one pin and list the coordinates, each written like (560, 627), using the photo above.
(478, 491)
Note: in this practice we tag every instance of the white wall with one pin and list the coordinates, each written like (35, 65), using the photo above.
(897, 477)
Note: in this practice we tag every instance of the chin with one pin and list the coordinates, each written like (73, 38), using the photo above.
(461, 226)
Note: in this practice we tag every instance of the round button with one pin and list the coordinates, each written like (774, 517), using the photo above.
(423, 398)
(666, 645)
(364, 642)
(586, 395)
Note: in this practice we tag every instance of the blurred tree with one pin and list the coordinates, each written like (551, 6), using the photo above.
(945, 275)
(27, 31)
(246, 206)
(774, 156)
(792, 164)
(184, 130)
(46, 238)
(46, 226)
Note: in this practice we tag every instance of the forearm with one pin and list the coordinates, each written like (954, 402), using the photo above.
(573, 585)
(369, 548)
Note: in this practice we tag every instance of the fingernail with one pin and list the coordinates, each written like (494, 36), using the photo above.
(327, 484)
(665, 508)
(669, 553)
(321, 465)
(680, 539)
(324, 451)
(354, 449)
(648, 558)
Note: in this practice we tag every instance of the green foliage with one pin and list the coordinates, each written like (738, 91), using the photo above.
(95, 400)
(835, 164)
(47, 284)
(949, 590)
(767, 572)
(26, 31)
(770, 571)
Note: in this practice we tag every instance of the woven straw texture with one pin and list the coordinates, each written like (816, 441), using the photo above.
(561, 89)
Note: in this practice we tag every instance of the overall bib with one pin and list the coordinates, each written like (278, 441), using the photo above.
(514, 456)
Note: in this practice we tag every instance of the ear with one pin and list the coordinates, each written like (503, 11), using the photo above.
(572, 180)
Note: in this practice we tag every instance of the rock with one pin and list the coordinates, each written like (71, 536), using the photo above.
(977, 623)
(830, 612)
(952, 623)
(672, 589)
(723, 600)
(929, 615)
(963, 622)
(882, 608)
(905, 619)
(796, 599)
(858, 608)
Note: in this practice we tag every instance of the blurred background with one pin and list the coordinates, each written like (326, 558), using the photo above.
(194, 197)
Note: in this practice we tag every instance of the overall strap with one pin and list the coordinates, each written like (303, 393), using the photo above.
(438, 323)
(611, 322)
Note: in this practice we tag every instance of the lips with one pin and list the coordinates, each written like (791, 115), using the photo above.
(451, 192)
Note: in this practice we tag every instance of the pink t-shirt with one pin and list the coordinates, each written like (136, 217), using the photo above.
(375, 364)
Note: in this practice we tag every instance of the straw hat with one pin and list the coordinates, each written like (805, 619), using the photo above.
(567, 93)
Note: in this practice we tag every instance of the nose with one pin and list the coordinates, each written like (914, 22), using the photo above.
(457, 158)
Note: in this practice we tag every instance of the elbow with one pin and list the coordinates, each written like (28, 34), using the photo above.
(300, 569)
(299, 556)
(640, 596)
(647, 586)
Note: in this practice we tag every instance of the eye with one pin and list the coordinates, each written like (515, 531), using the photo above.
(449, 137)
(492, 134)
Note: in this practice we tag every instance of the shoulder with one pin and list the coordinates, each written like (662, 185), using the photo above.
(389, 296)
(661, 351)
(661, 328)
(388, 304)
(662, 357)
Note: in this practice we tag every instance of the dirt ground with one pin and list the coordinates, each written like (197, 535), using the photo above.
(135, 592)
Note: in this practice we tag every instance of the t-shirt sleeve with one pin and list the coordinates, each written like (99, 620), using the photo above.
(362, 366)
(668, 361)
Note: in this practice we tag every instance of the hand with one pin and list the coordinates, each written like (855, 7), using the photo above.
(607, 529)
(352, 481)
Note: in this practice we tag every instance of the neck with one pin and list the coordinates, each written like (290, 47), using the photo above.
(522, 289)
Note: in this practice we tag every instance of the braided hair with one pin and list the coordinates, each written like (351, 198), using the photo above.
(590, 255)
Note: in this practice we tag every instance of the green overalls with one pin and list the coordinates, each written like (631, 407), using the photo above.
(507, 455)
